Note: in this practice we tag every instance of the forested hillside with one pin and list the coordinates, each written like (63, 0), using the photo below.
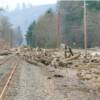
(71, 13)
(43, 32)
(69, 17)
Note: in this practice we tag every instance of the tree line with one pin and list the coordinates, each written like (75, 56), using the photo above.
(44, 32)
(72, 22)
(10, 34)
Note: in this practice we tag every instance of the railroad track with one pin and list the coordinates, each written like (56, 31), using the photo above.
(5, 59)
(7, 76)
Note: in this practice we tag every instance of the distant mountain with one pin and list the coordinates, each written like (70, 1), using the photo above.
(25, 16)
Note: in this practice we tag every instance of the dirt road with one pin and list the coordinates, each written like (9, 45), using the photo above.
(30, 84)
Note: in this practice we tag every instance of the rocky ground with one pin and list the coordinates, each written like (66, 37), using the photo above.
(31, 84)
(46, 74)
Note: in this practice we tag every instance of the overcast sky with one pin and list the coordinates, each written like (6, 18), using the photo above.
(12, 3)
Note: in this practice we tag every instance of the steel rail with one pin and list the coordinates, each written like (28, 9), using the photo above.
(3, 92)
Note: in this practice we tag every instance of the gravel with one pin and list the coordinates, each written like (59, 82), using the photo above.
(30, 84)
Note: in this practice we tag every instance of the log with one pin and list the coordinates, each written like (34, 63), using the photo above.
(5, 53)
(73, 57)
(45, 60)
(62, 63)
(35, 63)
(68, 61)
(71, 52)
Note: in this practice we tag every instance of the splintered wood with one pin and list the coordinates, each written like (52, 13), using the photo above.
(52, 57)
(72, 73)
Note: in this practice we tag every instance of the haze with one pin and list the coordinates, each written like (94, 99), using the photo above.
(11, 4)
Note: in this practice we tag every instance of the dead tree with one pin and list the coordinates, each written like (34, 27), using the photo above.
(65, 51)
(70, 51)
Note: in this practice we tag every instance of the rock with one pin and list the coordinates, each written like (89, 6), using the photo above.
(98, 85)
(54, 62)
(95, 60)
(49, 78)
(98, 79)
(95, 71)
(58, 76)
(85, 60)
(87, 76)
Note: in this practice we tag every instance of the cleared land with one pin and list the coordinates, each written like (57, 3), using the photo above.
(41, 77)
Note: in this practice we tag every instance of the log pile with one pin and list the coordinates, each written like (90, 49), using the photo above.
(52, 57)
(88, 69)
